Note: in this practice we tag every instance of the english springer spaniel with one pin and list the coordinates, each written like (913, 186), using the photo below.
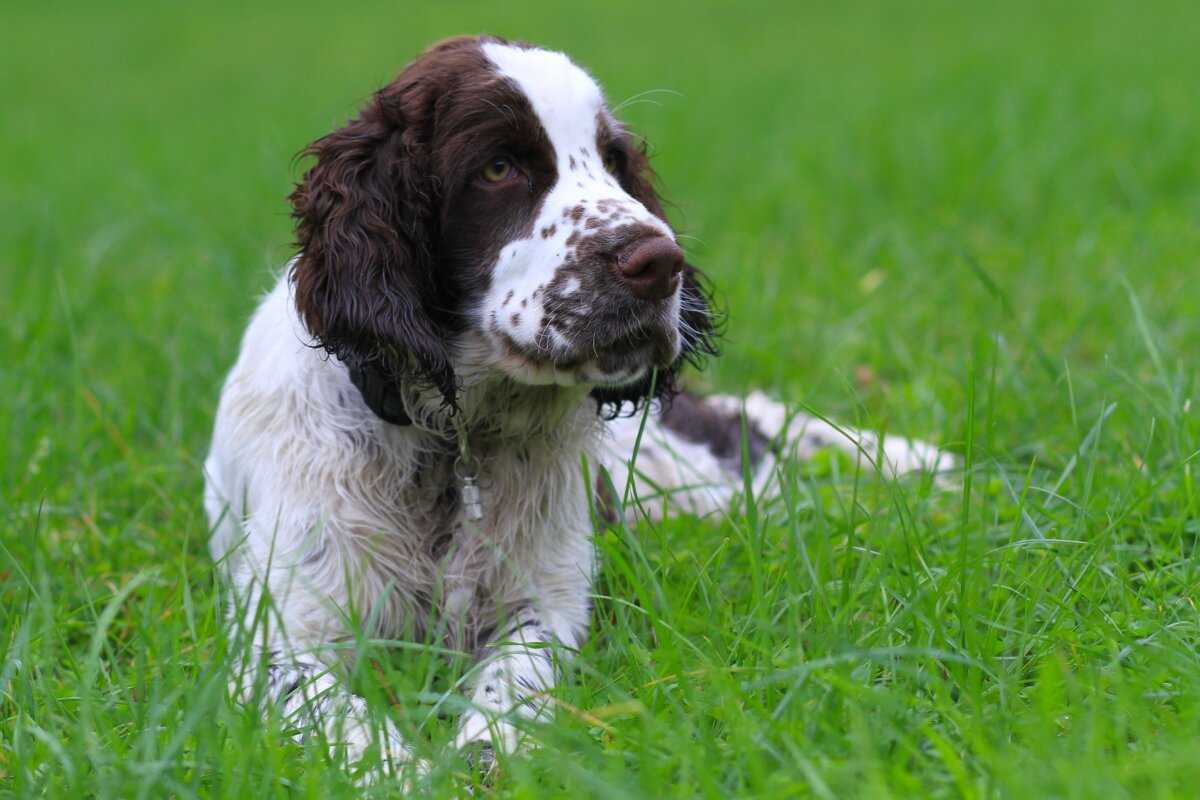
(486, 286)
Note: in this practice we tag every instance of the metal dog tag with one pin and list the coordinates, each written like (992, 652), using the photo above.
(472, 504)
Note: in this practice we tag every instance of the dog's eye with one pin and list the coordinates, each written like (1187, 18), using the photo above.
(497, 170)
(611, 162)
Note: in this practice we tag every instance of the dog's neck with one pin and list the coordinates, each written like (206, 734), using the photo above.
(493, 410)
(382, 393)
(502, 412)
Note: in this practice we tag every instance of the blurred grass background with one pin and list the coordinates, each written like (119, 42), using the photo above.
(976, 223)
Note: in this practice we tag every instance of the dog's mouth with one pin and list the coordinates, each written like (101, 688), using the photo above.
(601, 351)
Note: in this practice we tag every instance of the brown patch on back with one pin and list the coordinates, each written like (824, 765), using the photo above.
(694, 420)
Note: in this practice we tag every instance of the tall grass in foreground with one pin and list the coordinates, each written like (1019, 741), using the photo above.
(857, 637)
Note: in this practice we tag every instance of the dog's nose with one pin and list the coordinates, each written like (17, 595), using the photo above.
(651, 267)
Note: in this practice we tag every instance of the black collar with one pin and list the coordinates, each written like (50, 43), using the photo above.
(380, 391)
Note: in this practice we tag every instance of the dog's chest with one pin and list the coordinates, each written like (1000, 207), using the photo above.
(452, 506)
(468, 574)
(433, 506)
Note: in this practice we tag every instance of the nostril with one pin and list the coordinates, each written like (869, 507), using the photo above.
(650, 266)
(651, 252)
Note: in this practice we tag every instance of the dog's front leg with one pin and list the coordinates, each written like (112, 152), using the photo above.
(314, 701)
(511, 686)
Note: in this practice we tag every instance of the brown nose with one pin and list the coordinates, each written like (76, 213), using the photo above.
(651, 267)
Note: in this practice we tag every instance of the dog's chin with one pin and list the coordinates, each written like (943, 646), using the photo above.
(617, 364)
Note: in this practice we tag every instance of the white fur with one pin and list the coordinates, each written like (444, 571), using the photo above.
(315, 498)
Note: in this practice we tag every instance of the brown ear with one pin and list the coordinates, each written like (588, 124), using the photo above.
(699, 326)
(364, 279)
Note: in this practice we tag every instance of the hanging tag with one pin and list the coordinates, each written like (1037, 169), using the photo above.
(466, 468)
(471, 499)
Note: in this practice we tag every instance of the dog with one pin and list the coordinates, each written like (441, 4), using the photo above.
(486, 295)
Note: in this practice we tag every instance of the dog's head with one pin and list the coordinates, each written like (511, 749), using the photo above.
(488, 193)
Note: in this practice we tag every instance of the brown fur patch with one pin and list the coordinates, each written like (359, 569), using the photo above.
(694, 420)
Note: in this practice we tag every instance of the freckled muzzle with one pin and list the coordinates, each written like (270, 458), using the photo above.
(622, 316)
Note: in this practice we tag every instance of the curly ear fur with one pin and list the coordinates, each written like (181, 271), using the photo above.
(699, 321)
(364, 280)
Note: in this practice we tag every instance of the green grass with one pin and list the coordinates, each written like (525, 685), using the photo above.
(979, 224)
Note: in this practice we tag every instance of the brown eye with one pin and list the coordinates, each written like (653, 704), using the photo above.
(611, 162)
(497, 170)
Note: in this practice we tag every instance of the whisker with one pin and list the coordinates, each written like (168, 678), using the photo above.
(639, 98)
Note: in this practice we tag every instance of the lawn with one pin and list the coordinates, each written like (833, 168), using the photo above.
(974, 223)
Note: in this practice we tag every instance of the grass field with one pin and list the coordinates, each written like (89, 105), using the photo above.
(974, 223)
